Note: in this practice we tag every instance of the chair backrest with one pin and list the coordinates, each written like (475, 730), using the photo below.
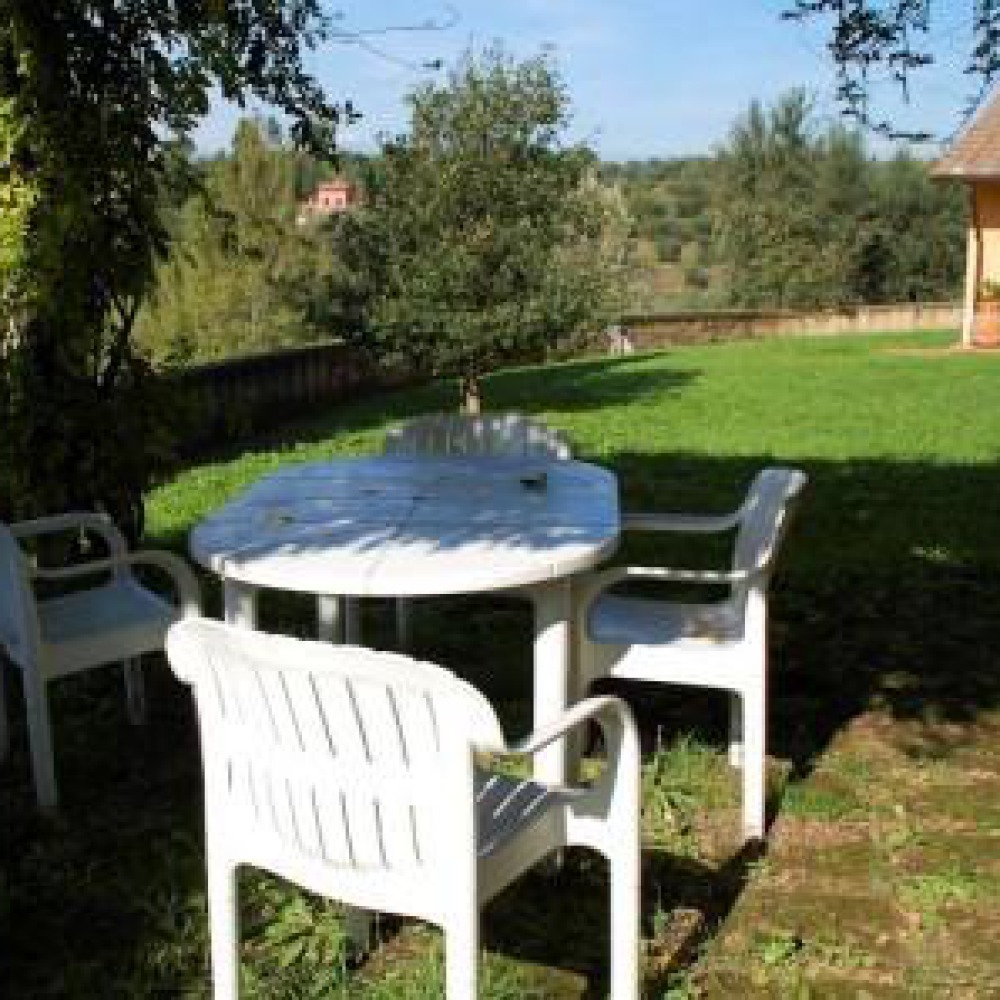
(341, 756)
(18, 617)
(765, 516)
(487, 434)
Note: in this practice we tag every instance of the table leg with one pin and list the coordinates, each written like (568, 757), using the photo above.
(239, 603)
(553, 608)
(338, 619)
(352, 621)
(330, 618)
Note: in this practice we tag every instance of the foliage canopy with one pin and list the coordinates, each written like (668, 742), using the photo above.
(243, 274)
(805, 219)
(869, 36)
(483, 239)
(91, 92)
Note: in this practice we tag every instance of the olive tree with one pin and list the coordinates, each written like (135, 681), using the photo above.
(485, 238)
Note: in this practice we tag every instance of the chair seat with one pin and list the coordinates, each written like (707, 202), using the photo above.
(505, 806)
(115, 621)
(618, 620)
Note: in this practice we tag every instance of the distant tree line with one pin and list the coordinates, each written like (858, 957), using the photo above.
(788, 214)
(244, 275)
(465, 247)
(806, 217)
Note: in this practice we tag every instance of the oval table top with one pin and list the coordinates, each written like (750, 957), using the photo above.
(408, 526)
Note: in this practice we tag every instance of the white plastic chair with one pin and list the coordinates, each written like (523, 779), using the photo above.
(110, 619)
(509, 434)
(352, 773)
(456, 434)
(721, 645)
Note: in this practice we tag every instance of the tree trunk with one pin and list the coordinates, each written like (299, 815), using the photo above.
(472, 396)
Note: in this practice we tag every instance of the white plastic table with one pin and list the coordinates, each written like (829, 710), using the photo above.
(400, 526)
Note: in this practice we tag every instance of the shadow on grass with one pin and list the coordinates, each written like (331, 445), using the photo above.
(595, 384)
(888, 600)
(107, 898)
(885, 598)
(562, 921)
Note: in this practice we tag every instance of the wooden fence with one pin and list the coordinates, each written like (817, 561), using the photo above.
(225, 400)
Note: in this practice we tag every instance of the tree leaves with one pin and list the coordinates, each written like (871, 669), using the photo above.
(868, 35)
(472, 239)
(92, 95)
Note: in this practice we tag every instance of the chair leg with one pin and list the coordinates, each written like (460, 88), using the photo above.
(223, 919)
(735, 729)
(40, 740)
(135, 691)
(754, 762)
(358, 929)
(404, 624)
(4, 725)
(461, 955)
(352, 621)
(625, 921)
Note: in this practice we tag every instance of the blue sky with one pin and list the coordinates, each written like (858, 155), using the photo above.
(645, 77)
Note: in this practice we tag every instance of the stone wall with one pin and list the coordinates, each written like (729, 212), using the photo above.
(645, 332)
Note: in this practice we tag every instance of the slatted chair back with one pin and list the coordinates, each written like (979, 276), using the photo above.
(488, 434)
(18, 618)
(765, 517)
(334, 763)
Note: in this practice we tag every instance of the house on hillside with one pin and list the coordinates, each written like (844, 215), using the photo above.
(975, 160)
(329, 198)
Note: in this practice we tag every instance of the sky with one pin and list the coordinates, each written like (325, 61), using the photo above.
(646, 78)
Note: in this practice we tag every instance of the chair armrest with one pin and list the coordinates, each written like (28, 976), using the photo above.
(595, 583)
(597, 709)
(682, 523)
(99, 524)
(615, 792)
(184, 581)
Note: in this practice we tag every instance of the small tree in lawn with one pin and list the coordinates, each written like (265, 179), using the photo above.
(481, 240)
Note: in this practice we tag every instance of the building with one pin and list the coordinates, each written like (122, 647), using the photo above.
(974, 159)
(329, 198)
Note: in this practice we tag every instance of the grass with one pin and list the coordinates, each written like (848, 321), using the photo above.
(881, 876)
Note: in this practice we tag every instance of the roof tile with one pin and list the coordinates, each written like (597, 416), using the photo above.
(976, 153)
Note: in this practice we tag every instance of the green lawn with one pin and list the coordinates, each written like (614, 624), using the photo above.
(882, 876)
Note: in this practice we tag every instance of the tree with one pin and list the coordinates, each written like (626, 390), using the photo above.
(806, 219)
(875, 35)
(243, 274)
(766, 219)
(92, 93)
(484, 239)
(924, 224)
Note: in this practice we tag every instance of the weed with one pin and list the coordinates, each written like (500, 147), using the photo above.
(928, 894)
(680, 779)
(823, 802)
(779, 948)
